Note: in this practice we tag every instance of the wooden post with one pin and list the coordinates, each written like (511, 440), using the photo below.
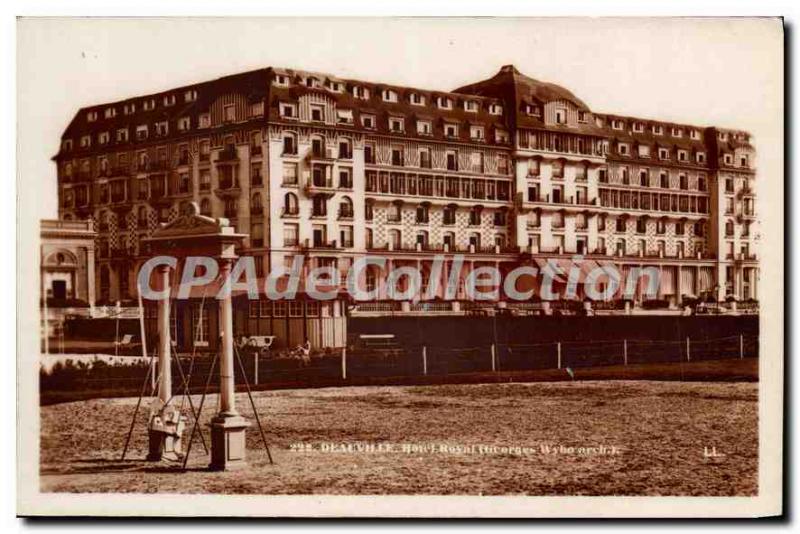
(424, 360)
(688, 353)
(625, 351)
(255, 366)
(558, 346)
(344, 363)
(741, 347)
(494, 358)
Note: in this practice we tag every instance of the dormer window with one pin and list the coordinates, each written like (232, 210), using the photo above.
(149, 104)
(582, 116)
(288, 111)
(91, 116)
(658, 129)
(336, 87)
(389, 95)
(471, 106)
(638, 127)
(700, 157)
(368, 121)
(169, 100)
(728, 159)
(141, 132)
(86, 141)
(622, 148)
(129, 109)
(617, 124)
(644, 151)
(683, 155)
(743, 161)
(677, 132)
(561, 116)
(281, 80)
(396, 124)
(257, 109)
(204, 121)
(663, 153)
(476, 133)
(444, 103)
(360, 92)
(344, 116)
(229, 113)
(162, 128)
(417, 99)
(122, 135)
(722, 136)
(190, 95)
(317, 114)
(110, 113)
(311, 81)
(495, 109)
(104, 138)
(532, 109)
(66, 145)
(184, 123)
(501, 136)
(451, 130)
(694, 134)
(424, 128)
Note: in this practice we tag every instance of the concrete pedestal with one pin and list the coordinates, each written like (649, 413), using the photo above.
(228, 442)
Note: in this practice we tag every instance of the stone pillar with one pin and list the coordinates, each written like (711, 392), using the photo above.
(227, 427)
(90, 279)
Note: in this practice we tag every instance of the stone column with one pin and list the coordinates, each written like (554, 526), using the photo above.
(227, 427)
(167, 424)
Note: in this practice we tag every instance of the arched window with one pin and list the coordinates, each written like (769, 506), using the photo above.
(368, 238)
(449, 240)
(256, 208)
(422, 239)
(475, 216)
(345, 148)
(289, 143)
(317, 146)
(205, 207)
(449, 214)
(475, 240)
(290, 206)
(345, 208)
(395, 239)
(422, 213)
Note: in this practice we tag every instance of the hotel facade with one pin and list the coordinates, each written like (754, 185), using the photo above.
(505, 172)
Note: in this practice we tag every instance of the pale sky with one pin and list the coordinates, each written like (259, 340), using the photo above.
(722, 72)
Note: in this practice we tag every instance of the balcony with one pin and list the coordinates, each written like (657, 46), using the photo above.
(323, 244)
(345, 215)
(228, 156)
(228, 189)
(320, 185)
(323, 156)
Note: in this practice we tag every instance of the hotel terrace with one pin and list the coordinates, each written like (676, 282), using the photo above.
(508, 171)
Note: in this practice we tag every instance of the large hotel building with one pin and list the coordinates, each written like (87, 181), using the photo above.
(506, 171)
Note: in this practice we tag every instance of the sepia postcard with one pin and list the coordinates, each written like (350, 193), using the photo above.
(399, 267)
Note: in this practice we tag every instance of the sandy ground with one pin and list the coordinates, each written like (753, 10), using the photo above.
(605, 438)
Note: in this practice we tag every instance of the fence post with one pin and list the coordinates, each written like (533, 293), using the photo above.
(424, 360)
(688, 353)
(558, 347)
(344, 363)
(625, 351)
(494, 358)
(741, 347)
